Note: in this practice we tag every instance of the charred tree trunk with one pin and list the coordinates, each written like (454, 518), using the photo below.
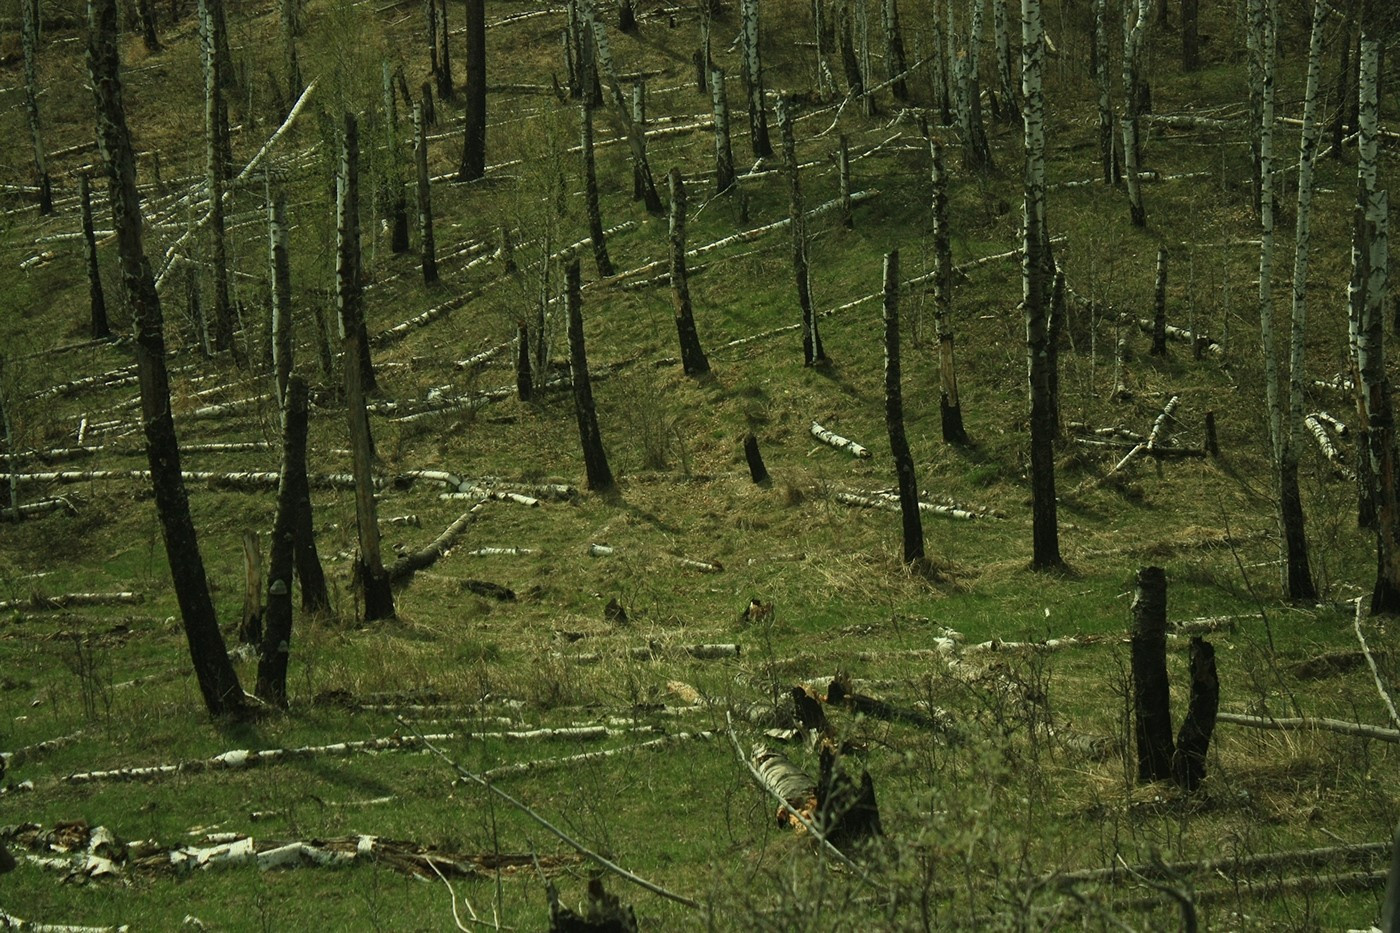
(274, 648)
(430, 20)
(29, 41)
(280, 263)
(216, 167)
(850, 59)
(812, 351)
(474, 136)
(1192, 742)
(753, 80)
(1006, 82)
(595, 459)
(894, 50)
(843, 182)
(445, 91)
(395, 204)
(949, 403)
(101, 330)
(1159, 306)
(218, 682)
(1152, 716)
(724, 151)
(147, 14)
(757, 471)
(427, 244)
(590, 188)
(894, 419)
(371, 576)
(1106, 147)
(1190, 35)
(693, 359)
(524, 374)
(250, 629)
(290, 22)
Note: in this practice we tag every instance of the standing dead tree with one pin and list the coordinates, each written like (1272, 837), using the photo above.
(369, 567)
(724, 151)
(752, 73)
(101, 330)
(211, 20)
(595, 459)
(218, 682)
(636, 139)
(894, 419)
(1152, 717)
(394, 205)
(29, 41)
(426, 243)
(1136, 14)
(693, 359)
(596, 232)
(1107, 152)
(275, 646)
(949, 403)
(812, 351)
(474, 135)
(280, 267)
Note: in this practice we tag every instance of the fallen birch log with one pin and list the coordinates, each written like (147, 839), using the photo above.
(10, 922)
(14, 513)
(253, 479)
(1312, 724)
(1153, 437)
(1314, 424)
(569, 761)
(1182, 335)
(704, 566)
(38, 603)
(405, 567)
(657, 652)
(788, 783)
(1162, 453)
(840, 443)
(472, 362)
(501, 552)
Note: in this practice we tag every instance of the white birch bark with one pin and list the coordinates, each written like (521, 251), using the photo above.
(1102, 82)
(1264, 39)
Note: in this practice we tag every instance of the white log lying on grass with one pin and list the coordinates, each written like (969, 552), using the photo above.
(1329, 450)
(839, 442)
(37, 507)
(890, 502)
(571, 761)
(472, 362)
(9, 921)
(480, 492)
(406, 566)
(1312, 724)
(70, 600)
(250, 479)
(656, 652)
(500, 552)
(704, 566)
(1182, 335)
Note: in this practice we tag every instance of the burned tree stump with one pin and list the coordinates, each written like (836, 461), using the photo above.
(100, 328)
(894, 418)
(847, 813)
(1159, 316)
(1189, 760)
(604, 912)
(757, 471)
(1152, 717)
(693, 359)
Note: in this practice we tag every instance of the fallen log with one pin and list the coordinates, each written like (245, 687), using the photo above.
(571, 761)
(1183, 335)
(501, 552)
(405, 567)
(11, 922)
(39, 603)
(1329, 450)
(1235, 867)
(1312, 724)
(14, 513)
(890, 502)
(840, 443)
(656, 652)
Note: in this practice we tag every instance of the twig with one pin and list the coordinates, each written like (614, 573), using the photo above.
(1371, 662)
(807, 824)
(577, 846)
(455, 917)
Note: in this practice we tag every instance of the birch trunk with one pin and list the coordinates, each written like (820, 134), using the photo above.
(372, 579)
(595, 459)
(101, 330)
(724, 151)
(636, 140)
(430, 21)
(590, 188)
(1152, 717)
(1159, 316)
(29, 40)
(949, 403)
(216, 168)
(274, 649)
(753, 81)
(1254, 60)
(693, 359)
(894, 49)
(1006, 86)
(445, 91)
(1106, 153)
(427, 244)
(217, 679)
(1135, 18)
(894, 419)
(1035, 273)
(395, 204)
(1298, 580)
(843, 182)
(279, 261)
(812, 351)
(474, 136)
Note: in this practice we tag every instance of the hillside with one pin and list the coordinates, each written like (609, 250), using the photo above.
(611, 658)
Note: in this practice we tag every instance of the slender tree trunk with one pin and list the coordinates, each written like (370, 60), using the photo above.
(29, 40)
(949, 402)
(1152, 716)
(1190, 35)
(1054, 331)
(431, 20)
(282, 338)
(939, 20)
(595, 459)
(850, 60)
(474, 137)
(1159, 305)
(724, 152)
(395, 203)
(1035, 275)
(218, 682)
(371, 576)
(753, 80)
(1135, 19)
(427, 244)
(894, 419)
(590, 187)
(894, 50)
(1006, 83)
(1192, 742)
(524, 377)
(1106, 156)
(636, 140)
(275, 647)
(693, 359)
(1344, 94)
(445, 91)
(101, 330)
(626, 16)
(147, 15)
(757, 471)
(290, 22)
(216, 169)
(812, 351)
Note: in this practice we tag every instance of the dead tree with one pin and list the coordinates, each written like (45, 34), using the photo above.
(693, 359)
(280, 263)
(218, 682)
(430, 20)
(147, 15)
(289, 17)
(369, 570)
(590, 188)
(250, 628)
(427, 245)
(1135, 20)
(1159, 316)
(1192, 742)
(894, 418)
(724, 151)
(444, 74)
(894, 50)
(474, 135)
(1190, 35)
(211, 20)
(29, 41)
(753, 80)
(394, 204)
(595, 459)
(1152, 718)
(843, 182)
(812, 351)
(275, 646)
(1107, 150)
(636, 139)
(524, 372)
(949, 403)
(101, 330)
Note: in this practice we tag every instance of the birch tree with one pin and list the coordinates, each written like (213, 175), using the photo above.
(216, 167)
(29, 41)
(218, 682)
(950, 405)
(474, 135)
(1106, 150)
(1035, 287)
(894, 49)
(1009, 110)
(812, 351)
(752, 74)
(636, 139)
(1136, 14)
(906, 477)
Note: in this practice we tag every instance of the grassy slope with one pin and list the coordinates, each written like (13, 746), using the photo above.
(970, 818)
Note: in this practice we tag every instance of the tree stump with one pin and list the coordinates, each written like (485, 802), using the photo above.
(1189, 760)
(1152, 718)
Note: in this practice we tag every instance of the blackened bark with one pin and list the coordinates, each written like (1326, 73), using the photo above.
(282, 342)
(216, 166)
(101, 330)
(524, 374)
(1298, 573)
(147, 14)
(430, 21)
(693, 359)
(949, 403)
(1192, 742)
(752, 73)
(310, 577)
(395, 205)
(1152, 718)
(626, 16)
(894, 418)
(1212, 443)
(757, 471)
(595, 459)
(590, 188)
(724, 151)
(894, 51)
(843, 182)
(474, 136)
(218, 682)
(429, 111)
(1054, 330)
(275, 647)
(812, 351)
(1190, 35)
(445, 91)
(1159, 306)
(427, 243)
